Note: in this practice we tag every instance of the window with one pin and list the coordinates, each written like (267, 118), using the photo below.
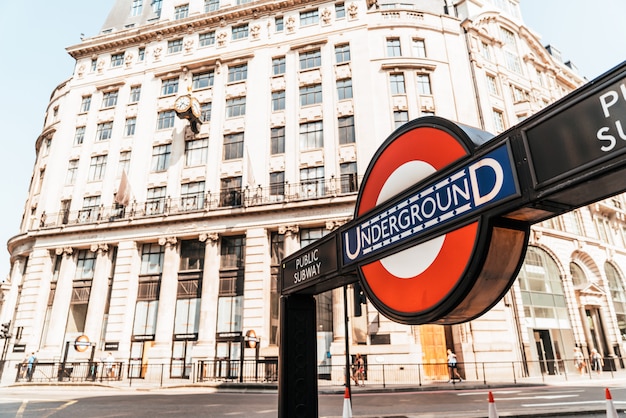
(240, 32)
(498, 121)
(205, 112)
(278, 65)
(618, 296)
(309, 17)
(97, 167)
(485, 51)
(279, 23)
(124, 162)
(278, 100)
(90, 208)
(94, 64)
(175, 45)
(141, 54)
(85, 265)
(235, 107)
(519, 95)
(346, 129)
(136, 8)
(85, 104)
(277, 183)
(348, 176)
(233, 146)
(192, 255)
(202, 80)
(344, 89)
(419, 48)
(129, 126)
(160, 157)
(230, 191)
(312, 181)
(310, 59)
(151, 259)
(397, 83)
(340, 10)
(181, 12)
(103, 131)
(231, 285)
(277, 140)
(165, 119)
(277, 253)
(79, 135)
(207, 38)
(311, 135)
(603, 228)
(310, 95)
(169, 86)
(192, 195)
(135, 94)
(211, 5)
(72, 168)
(492, 85)
(237, 73)
(400, 117)
(117, 59)
(156, 6)
(393, 47)
(196, 151)
(423, 84)
(155, 200)
(109, 99)
(342, 53)
(511, 57)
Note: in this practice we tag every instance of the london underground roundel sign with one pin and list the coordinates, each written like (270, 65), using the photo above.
(438, 278)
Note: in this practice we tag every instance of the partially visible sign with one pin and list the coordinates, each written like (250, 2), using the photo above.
(569, 140)
(111, 345)
(82, 343)
(319, 260)
(478, 184)
(19, 348)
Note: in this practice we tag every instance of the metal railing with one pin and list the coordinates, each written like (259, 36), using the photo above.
(265, 371)
(204, 202)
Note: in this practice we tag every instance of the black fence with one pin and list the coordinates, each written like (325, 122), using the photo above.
(265, 371)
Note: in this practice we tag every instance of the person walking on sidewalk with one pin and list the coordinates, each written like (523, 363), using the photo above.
(579, 360)
(452, 367)
(596, 361)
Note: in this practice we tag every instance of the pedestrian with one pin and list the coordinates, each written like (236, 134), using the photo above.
(579, 360)
(32, 361)
(452, 367)
(596, 361)
(358, 370)
(108, 365)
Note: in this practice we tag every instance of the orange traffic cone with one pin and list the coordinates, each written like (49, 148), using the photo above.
(347, 408)
(611, 412)
(493, 412)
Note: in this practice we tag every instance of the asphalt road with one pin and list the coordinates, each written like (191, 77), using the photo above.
(61, 402)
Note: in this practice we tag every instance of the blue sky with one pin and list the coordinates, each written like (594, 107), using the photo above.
(34, 35)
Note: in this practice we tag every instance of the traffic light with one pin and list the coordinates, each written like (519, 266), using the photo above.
(359, 298)
(4, 330)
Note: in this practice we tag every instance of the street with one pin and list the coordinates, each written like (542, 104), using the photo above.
(60, 402)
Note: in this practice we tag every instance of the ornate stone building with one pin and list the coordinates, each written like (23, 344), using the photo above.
(162, 242)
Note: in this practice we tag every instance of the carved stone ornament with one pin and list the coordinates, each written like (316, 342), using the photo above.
(255, 31)
(326, 15)
(209, 236)
(221, 38)
(288, 230)
(167, 241)
(64, 251)
(99, 248)
(353, 10)
(156, 53)
(188, 45)
(291, 24)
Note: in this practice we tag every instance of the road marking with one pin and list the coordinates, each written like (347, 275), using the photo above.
(530, 405)
(20, 411)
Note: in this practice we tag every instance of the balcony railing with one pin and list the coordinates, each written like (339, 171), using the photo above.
(203, 202)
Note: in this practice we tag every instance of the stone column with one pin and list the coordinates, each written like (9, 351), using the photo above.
(167, 302)
(99, 293)
(61, 303)
(205, 347)
(15, 280)
(292, 244)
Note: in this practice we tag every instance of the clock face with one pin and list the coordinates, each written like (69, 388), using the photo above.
(195, 107)
(182, 103)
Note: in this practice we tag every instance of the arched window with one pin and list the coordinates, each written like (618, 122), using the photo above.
(542, 291)
(618, 295)
(578, 275)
